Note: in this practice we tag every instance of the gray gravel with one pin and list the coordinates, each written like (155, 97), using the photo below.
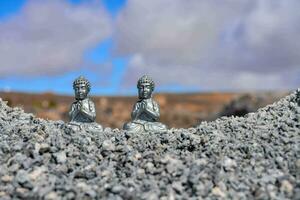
(251, 157)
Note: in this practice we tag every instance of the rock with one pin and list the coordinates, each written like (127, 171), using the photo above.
(251, 157)
(13, 168)
(51, 196)
(218, 192)
(22, 177)
(86, 189)
(22, 192)
(298, 164)
(3, 195)
(177, 186)
(6, 178)
(117, 189)
(35, 174)
(149, 167)
(229, 164)
(287, 187)
(108, 145)
(60, 157)
(43, 148)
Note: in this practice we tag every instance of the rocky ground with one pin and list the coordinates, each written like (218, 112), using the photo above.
(251, 157)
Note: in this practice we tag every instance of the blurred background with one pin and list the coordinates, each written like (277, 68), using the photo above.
(208, 58)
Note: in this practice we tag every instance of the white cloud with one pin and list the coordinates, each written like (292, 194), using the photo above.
(229, 44)
(212, 45)
(50, 37)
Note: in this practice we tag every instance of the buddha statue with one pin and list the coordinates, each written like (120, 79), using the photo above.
(83, 111)
(145, 114)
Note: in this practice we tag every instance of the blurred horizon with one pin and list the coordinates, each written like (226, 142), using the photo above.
(195, 46)
(177, 110)
(155, 93)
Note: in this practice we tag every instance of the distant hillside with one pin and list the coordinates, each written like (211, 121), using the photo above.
(177, 110)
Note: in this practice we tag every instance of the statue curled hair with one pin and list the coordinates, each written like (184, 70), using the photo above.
(146, 79)
(82, 80)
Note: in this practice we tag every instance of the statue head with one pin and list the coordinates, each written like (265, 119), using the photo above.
(81, 87)
(145, 86)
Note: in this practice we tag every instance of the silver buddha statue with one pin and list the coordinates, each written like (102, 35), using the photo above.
(83, 111)
(145, 114)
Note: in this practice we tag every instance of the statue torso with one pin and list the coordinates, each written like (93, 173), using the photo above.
(87, 105)
(150, 104)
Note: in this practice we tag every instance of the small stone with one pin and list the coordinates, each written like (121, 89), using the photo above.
(87, 189)
(105, 173)
(2, 194)
(117, 189)
(37, 173)
(140, 173)
(115, 130)
(218, 192)
(82, 185)
(22, 176)
(6, 178)
(107, 129)
(149, 167)
(298, 164)
(70, 195)
(201, 162)
(43, 148)
(138, 156)
(51, 196)
(22, 192)
(287, 187)
(177, 186)
(271, 190)
(108, 145)
(229, 164)
(192, 130)
(60, 157)
(14, 168)
(150, 196)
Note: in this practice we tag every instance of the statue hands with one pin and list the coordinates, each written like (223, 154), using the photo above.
(139, 108)
(84, 107)
(143, 105)
(78, 105)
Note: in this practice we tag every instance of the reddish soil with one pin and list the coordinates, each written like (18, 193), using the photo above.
(177, 110)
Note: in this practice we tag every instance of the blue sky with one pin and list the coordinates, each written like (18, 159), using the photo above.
(189, 46)
(9, 8)
(63, 83)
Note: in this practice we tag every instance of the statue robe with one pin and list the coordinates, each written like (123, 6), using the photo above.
(86, 114)
(145, 120)
(84, 118)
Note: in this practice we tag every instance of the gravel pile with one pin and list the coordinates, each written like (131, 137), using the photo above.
(251, 157)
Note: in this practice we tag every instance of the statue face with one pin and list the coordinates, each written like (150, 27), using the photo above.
(145, 91)
(81, 91)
